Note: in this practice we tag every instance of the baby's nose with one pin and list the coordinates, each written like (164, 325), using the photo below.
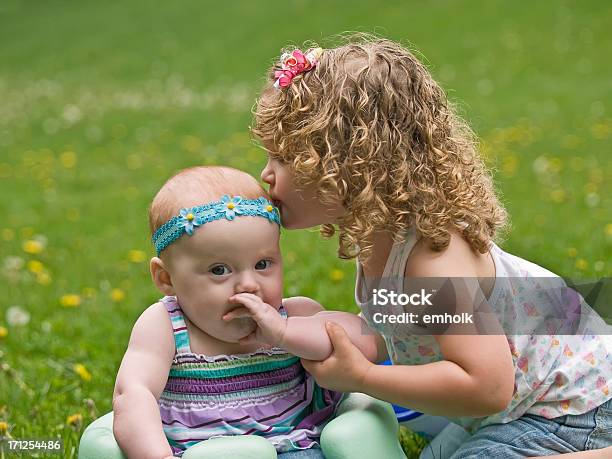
(247, 284)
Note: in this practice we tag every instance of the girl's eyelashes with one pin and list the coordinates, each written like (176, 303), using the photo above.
(263, 264)
(219, 270)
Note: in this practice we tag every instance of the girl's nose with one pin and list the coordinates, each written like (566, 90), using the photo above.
(267, 175)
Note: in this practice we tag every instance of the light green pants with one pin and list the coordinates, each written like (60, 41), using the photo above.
(363, 428)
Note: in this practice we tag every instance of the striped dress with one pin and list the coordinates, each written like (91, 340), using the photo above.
(266, 393)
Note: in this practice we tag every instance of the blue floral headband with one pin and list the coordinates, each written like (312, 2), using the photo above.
(227, 208)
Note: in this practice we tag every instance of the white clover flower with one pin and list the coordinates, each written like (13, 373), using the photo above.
(16, 316)
(12, 263)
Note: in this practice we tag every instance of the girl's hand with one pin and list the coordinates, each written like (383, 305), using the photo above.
(345, 369)
(271, 325)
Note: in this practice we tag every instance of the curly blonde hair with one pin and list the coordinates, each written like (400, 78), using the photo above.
(371, 127)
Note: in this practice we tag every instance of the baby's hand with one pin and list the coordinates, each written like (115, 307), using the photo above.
(271, 325)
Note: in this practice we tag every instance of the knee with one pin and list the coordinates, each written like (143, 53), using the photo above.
(236, 447)
(368, 428)
(358, 409)
(98, 441)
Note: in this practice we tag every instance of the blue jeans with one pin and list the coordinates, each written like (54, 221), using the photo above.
(302, 454)
(533, 435)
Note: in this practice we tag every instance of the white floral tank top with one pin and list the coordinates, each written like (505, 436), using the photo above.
(555, 374)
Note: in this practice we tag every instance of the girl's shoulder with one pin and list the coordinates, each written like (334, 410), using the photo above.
(458, 259)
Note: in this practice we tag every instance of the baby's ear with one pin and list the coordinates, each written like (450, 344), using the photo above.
(161, 277)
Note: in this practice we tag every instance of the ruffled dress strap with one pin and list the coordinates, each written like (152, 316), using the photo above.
(181, 337)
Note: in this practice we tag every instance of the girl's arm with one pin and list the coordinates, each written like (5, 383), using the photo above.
(439, 388)
(141, 379)
(303, 332)
(475, 377)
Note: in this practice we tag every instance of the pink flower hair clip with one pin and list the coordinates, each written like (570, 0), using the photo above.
(294, 63)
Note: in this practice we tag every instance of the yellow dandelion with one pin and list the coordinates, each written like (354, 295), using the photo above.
(117, 295)
(572, 252)
(8, 234)
(35, 266)
(609, 229)
(68, 159)
(137, 256)
(75, 420)
(70, 300)
(43, 278)
(3, 332)
(336, 275)
(80, 370)
(3, 428)
(557, 196)
(32, 246)
(581, 264)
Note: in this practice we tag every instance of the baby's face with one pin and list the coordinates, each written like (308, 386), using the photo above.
(223, 258)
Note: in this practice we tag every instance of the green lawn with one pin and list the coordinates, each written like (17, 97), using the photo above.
(101, 101)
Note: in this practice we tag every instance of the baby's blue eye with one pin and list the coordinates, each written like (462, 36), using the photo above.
(219, 270)
(263, 264)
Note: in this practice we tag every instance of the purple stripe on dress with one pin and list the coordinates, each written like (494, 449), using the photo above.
(185, 418)
(311, 421)
(302, 399)
(249, 432)
(234, 383)
(229, 421)
(179, 329)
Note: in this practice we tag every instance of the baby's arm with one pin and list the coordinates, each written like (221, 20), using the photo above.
(303, 333)
(141, 379)
(306, 336)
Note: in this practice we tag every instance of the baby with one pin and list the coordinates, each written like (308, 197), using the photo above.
(196, 366)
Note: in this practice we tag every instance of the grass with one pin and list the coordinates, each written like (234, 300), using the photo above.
(101, 102)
